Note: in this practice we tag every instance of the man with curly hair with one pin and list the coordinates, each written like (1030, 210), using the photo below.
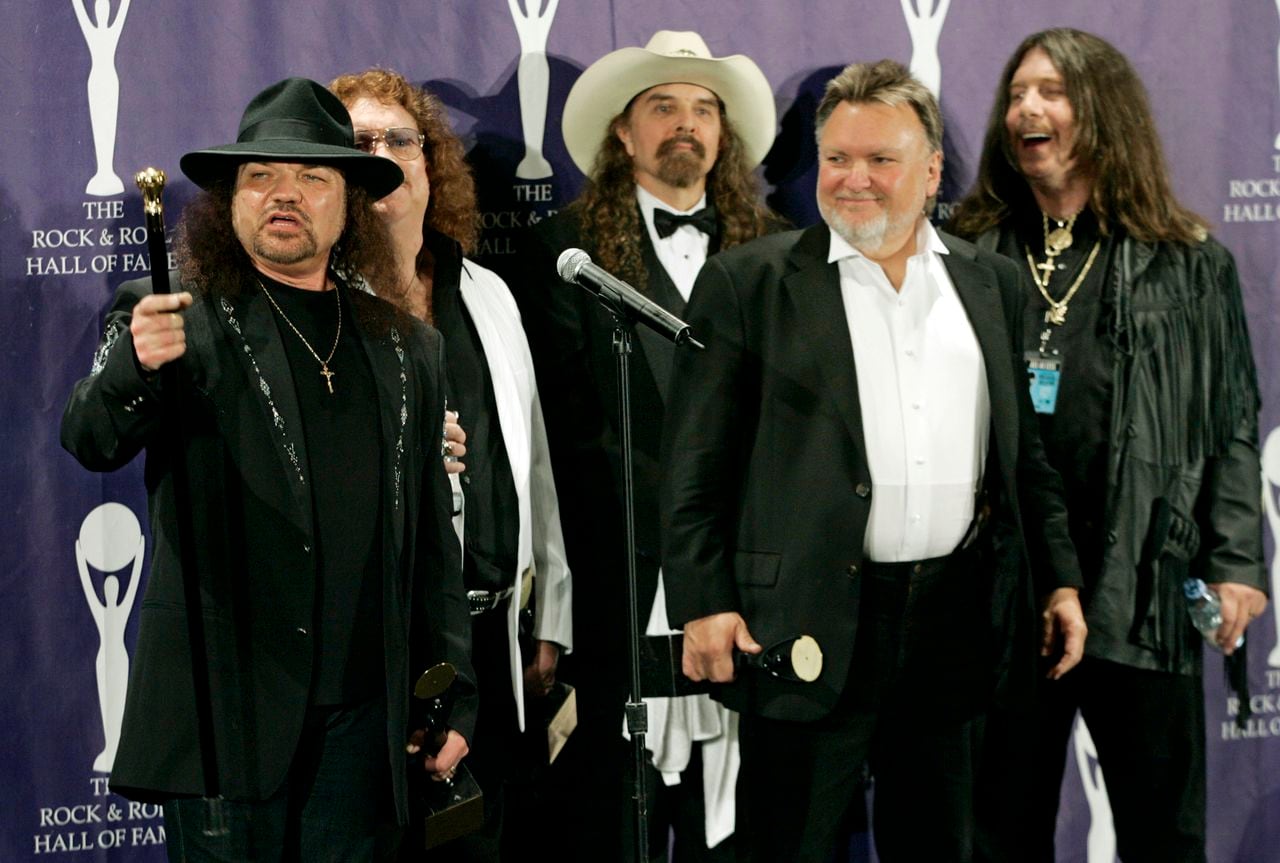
(669, 137)
(309, 428)
(1147, 401)
(509, 524)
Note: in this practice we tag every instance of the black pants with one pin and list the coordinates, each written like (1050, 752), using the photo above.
(801, 783)
(332, 806)
(1148, 728)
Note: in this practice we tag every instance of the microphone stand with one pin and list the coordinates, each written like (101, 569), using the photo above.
(637, 712)
(625, 305)
(151, 183)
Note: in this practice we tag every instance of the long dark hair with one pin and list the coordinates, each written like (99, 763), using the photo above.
(1115, 139)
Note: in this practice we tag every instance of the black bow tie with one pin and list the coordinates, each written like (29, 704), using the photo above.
(665, 222)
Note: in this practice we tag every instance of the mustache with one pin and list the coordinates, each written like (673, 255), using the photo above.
(291, 209)
(668, 146)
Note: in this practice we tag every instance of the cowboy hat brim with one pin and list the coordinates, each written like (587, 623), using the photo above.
(606, 87)
(376, 175)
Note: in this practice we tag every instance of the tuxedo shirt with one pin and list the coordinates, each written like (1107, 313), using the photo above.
(683, 252)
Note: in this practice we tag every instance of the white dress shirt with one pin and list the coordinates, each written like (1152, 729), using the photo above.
(923, 391)
(684, 252)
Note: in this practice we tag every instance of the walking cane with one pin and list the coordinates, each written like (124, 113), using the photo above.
(151, 183)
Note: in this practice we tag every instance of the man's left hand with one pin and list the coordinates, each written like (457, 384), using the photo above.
(1240, 604)
(1063, 627)
(540, 673)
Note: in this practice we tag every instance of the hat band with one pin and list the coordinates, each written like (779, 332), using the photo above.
(278, 129)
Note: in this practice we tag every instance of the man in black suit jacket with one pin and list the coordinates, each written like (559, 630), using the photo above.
(854, 457)
(669, 136)
(310, 431)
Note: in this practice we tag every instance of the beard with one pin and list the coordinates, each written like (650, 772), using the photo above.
(866, 236)
(300, 248)
(681, 168)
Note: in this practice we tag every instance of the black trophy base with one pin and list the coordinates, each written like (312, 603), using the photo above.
(453, 809)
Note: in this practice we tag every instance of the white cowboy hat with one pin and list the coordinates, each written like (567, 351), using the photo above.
(671, 57)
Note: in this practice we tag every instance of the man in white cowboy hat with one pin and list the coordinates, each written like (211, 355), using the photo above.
(669, 137)
(309, 428)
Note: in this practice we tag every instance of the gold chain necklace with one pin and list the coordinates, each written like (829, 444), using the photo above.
(1056, 314)
(324, 363)
(1056, 242)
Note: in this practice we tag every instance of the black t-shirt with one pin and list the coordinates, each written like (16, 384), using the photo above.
(491, 533)
(343, 436)
(1076, 435)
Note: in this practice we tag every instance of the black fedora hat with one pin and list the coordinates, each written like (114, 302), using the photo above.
(295, 120)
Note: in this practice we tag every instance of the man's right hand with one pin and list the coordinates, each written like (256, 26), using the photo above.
(157, 329)
(709, 643)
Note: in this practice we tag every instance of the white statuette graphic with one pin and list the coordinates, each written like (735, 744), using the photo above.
(1270, 486)
(925, 28)
(110, 539)
(1101, 843)
(102, 36)
(534, 79)
(1277, 144)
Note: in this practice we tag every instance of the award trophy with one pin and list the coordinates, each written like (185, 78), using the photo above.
(453, 807)
(798, 660)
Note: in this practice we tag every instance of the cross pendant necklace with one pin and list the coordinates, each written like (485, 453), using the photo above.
(324, 363)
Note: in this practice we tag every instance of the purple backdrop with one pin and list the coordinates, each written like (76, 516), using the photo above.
(163, 78)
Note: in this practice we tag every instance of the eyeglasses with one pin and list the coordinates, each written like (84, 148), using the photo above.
(404, 144)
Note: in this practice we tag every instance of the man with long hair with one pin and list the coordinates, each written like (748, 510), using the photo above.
(510, 528)
(1139, 362)
(854, 458)
(310, 431)
(669, 137)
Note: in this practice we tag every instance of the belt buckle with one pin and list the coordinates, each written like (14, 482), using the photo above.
(480, 601)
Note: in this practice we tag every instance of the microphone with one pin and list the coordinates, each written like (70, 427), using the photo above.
(574, 265)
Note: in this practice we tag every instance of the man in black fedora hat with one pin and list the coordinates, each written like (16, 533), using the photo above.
(310, 428)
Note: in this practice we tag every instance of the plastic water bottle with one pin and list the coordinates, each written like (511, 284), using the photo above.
(1205, 609)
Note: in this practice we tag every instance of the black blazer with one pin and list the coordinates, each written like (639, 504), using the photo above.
(767, 489)
(243, 445)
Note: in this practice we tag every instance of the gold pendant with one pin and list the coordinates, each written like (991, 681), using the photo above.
(1056, 315)
(1057, 241)
(328, 376)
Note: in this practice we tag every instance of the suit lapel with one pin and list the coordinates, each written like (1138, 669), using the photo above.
(387, 361)
(980, 295)
(813, 285)
(252, 327)
(657, 351)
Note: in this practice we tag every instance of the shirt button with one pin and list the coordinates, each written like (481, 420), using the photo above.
(302, 630)
(919, 461)
(915, 406)
(851, 570)
(910, 352)
(1112, 536)
(915, 518)
(306, 548)
(862, 489)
